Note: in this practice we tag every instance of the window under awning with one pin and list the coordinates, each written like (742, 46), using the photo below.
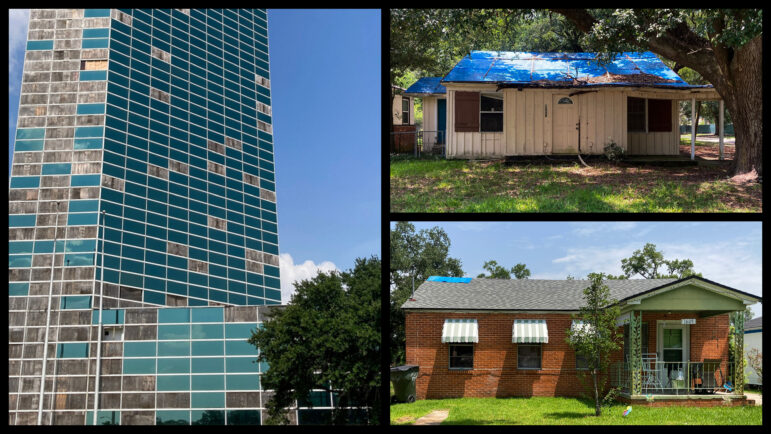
(527, 331)
(460, 331)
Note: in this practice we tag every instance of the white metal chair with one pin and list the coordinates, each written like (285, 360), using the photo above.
(650, 372)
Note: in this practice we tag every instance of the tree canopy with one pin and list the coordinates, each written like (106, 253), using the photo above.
(415, 255)
(649, 263)
(327, 337)
(496, 271)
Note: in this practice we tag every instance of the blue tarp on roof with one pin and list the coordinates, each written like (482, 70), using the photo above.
(564, 69)
(427, 85)
(449, 279)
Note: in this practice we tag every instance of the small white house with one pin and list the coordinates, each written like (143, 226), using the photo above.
(520, 103)
(433, 95)
(753, 338)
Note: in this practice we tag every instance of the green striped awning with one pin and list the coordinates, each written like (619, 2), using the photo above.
(460, 330)
(527, 331)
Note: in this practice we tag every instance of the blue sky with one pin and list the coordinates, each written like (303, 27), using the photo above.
(325, 75)
(729, 253)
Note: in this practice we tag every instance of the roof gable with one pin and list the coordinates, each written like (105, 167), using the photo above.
(534, 69)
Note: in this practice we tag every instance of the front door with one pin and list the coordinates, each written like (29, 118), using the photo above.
(441, 120)
(672, 346)
(564, 130)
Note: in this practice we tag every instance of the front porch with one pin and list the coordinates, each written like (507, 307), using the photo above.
(678, 349)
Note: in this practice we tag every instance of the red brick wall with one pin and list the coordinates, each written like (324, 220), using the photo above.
(495, 370)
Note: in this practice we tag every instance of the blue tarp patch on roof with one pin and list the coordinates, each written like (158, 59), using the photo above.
(564, 69)
(427, 85)
(449, 279)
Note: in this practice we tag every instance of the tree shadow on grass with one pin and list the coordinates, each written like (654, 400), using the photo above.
(567, 415)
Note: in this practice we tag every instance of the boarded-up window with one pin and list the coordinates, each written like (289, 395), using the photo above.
(466, 112)
(405, 111)
(635, 114)
(93, 65)
(659, 115)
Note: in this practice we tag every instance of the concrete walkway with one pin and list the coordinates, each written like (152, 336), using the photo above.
(758, 398)
(434, 418)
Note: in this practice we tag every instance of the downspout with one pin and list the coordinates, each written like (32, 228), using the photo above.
(48, 322)
(99, 329)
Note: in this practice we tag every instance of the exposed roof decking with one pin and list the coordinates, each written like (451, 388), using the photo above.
(532, 69)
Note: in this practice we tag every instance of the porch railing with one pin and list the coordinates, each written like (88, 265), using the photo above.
(418, 141)
(676, 378)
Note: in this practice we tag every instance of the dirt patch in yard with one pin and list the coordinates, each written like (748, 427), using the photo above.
(709, 152)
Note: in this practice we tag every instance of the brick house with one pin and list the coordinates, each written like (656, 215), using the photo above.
(501, 338)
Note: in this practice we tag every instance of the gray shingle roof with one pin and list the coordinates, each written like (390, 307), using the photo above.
(754, 323)
(527, 294)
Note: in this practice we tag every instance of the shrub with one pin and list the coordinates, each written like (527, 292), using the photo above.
(613, 152)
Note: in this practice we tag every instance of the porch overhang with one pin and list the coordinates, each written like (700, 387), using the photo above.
(691, 294)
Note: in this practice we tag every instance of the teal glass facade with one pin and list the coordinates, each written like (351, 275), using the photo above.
(169, 134)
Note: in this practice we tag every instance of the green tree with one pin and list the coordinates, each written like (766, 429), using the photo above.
(327, 337)
(496, 271)
(597, 339)
(723, 45)
(648, 261)
(414, 257)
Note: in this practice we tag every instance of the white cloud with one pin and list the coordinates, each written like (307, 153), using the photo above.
(291, 273)
(590, 228)
(734, 263)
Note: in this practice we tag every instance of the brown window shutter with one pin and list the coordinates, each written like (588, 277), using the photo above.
(466, 112)
(659, 115)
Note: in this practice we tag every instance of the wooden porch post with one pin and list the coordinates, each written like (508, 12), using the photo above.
(722, 133)
(693, 128)
(635, 355)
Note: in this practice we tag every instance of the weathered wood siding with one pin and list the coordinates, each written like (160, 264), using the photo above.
(429, 120)
(472, 145)
(528, 124)
(396, 110)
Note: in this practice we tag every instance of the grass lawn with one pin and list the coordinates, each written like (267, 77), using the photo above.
(439, 185)
(568, 411)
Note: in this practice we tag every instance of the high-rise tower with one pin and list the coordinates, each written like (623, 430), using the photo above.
(144, 143)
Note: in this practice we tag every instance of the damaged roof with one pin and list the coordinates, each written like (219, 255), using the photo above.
(426, 86)
(524, 294)
(532, 69)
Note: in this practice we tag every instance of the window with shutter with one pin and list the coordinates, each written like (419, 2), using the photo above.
(659, 115)
(466, 112)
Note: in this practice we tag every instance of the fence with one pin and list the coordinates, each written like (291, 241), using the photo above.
(707, 129)
(418, 141)
(676, 378)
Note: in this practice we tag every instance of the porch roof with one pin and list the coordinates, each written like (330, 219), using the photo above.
(426, 86)
(543, 69)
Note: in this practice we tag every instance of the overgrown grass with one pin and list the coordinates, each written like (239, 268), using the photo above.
(568, 411)
(431, 185)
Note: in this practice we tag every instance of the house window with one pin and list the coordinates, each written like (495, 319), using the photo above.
(405, 111)
(565, 100)
(635, 115)
(659, 115)
(491, 112)
(581, 362)
(461, 356)
(528, 356)
(643, 338)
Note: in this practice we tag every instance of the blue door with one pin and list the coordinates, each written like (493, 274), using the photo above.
(441, 120)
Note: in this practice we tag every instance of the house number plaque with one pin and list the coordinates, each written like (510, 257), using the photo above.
(688, 321)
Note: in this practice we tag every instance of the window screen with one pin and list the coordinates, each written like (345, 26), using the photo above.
(643, 338)
(405, 111)
(659, 115)
(529, 356)
(461, 356)
(635, 114)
